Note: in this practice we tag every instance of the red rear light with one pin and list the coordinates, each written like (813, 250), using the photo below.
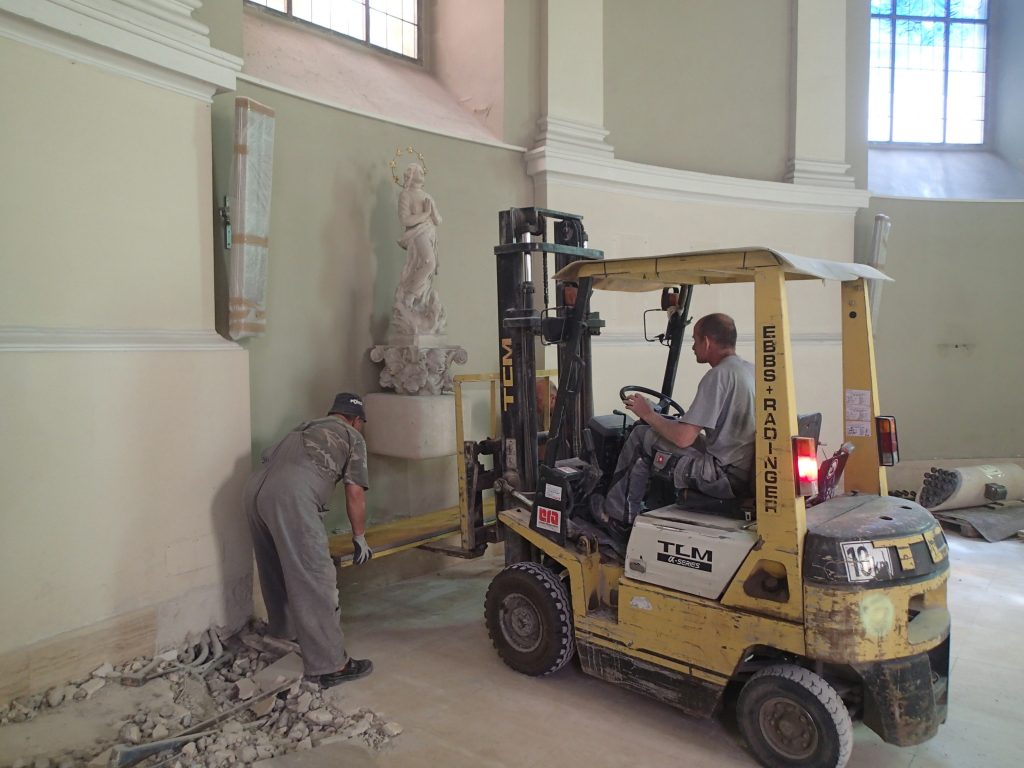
(805, 466)
(888, 442)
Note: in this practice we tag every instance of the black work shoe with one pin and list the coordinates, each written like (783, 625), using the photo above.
(355, 669)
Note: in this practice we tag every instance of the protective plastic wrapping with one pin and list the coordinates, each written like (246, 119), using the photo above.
(251, 178)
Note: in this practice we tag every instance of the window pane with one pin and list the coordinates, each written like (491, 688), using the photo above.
(394, 34)
(879, 83)
(917, 106)
(966, 48)
(274, 5)
(935, 8)
(321, 13)
(881, 42)
(302, 9)
(881, 6)
(378, 28)
(409, 40)
(878, 104)
(966, 108)
(918, 88)
(348, 18)
(393, 23)
(968, 9)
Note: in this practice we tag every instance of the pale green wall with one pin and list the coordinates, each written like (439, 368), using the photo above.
(1007, 61)
(957, 267)
(522, 71)
(125, 418)
(949, 348)
(699, 85)
(224, 18)
(334, 259)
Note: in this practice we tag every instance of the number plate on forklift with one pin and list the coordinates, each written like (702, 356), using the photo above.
(864, 560)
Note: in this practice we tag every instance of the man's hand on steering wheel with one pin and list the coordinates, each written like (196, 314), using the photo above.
(641, 407)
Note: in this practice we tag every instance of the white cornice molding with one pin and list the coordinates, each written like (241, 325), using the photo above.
(821, 173)
(154, 41)
(557, 164)
(574, 136)
(37, 339)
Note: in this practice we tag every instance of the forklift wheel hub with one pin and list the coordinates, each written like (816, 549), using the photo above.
(520, 623)
(789, 728)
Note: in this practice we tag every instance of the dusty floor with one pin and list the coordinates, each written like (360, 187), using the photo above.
(460, 706)
(437, 674)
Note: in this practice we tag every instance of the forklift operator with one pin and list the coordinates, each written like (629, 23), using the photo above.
(718, 462)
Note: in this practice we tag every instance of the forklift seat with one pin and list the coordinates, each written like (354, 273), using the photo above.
(695, 501)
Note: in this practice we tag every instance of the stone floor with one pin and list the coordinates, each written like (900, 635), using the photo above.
(438, 675)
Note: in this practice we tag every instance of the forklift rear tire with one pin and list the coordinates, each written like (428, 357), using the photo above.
(792, 717)
(529, 619)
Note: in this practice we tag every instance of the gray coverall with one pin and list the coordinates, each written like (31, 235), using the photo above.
(285, 500)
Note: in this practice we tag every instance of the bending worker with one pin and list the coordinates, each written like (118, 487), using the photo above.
(285, 501)
(720, 461)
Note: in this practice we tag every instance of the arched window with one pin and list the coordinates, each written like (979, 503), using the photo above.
(389, 24)
(928, 66)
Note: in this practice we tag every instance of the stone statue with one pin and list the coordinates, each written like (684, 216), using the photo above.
(417, 357)
(418, 309)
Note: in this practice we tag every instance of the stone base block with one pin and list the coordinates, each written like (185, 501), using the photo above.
(410, 426)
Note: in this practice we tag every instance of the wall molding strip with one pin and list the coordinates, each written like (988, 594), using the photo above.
(153, 41)
(562, 164)
(38, 339)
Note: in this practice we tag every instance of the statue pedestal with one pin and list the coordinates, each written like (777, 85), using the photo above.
(410, 426)
(417, 365)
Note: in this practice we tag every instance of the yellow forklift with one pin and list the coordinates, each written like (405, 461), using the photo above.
(809, 610)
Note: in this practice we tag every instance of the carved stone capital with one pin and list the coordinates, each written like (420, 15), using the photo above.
(413, 370)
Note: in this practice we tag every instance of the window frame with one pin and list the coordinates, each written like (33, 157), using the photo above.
(364, 42)
(987, 22)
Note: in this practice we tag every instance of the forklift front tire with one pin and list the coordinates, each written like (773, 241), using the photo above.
(529, 619)
(792, 718)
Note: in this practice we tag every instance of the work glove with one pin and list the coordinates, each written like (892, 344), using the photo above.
(362, 553)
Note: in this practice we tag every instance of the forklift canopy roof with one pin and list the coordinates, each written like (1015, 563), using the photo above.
(733, 265)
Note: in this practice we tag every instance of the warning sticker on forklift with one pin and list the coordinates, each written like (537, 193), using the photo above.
(858, 413)
(858, 429)
(864, 561)
(553, 492)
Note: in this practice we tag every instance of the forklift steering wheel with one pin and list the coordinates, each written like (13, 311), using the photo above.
(664, 401)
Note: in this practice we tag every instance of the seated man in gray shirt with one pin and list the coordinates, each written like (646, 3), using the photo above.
(718, 462)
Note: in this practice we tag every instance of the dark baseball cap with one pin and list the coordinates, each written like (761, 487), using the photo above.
(348, 404)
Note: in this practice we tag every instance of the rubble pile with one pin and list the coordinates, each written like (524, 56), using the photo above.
(216, 700)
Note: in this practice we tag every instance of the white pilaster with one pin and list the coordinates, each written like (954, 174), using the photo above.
(155, 41)
(573, 119)
(818, 155)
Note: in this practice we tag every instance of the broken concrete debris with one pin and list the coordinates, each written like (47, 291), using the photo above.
(210, 683)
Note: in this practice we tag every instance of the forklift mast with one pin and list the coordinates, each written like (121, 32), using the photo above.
(569, 325)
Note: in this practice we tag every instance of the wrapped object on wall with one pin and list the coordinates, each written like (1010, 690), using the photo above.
(251, 177)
